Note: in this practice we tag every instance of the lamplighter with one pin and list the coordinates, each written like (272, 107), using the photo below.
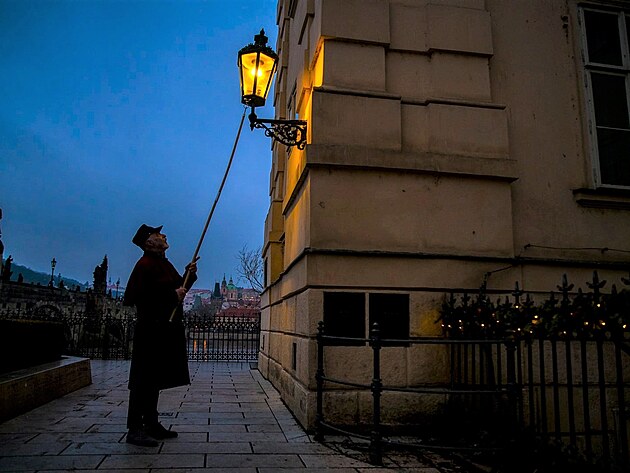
(257, 64)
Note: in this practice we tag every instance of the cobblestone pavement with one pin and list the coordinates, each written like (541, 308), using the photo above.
(229, 419)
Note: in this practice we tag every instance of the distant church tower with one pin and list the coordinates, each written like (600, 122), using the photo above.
(216, 294)
(224, 288)
(229, 291)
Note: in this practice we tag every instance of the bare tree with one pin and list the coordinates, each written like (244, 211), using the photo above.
(251, 267)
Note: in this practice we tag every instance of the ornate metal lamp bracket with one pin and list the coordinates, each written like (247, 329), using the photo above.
(287, 132)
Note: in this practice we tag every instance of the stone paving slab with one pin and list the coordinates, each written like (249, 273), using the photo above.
(230, 419)
(34, 463)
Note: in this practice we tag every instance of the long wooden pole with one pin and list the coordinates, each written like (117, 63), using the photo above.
(214, 205)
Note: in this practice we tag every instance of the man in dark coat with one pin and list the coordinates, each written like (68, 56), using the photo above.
(159, 359)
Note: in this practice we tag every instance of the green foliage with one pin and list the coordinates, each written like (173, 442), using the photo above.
(572, 316)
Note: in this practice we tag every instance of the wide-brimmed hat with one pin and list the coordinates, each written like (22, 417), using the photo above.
(140, 238)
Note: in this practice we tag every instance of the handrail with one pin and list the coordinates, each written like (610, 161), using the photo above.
(425, 390)
(376, 386)
(423, 340)
(518, 371)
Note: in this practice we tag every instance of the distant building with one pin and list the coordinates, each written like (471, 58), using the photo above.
(229, 290)
(197, 298)
(225, 295)
(239, 312)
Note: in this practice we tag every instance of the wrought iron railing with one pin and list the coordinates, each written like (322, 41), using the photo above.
(572, 361)
(570, 392)
(493, 390)
(110, 334)
(222, 338)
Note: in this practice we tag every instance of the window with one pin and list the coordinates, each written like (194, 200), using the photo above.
(607, 65)
(391, 312)
(344, 316)
(266, 272)
(292, 105)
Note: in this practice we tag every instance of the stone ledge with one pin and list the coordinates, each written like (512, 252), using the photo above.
(26, 389)
(603, 198)
(481, 167)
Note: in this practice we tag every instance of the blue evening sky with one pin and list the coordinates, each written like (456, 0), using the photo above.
(116, 113)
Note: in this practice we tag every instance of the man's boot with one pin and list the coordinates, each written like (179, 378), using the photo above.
(141, 438)
(159, 432)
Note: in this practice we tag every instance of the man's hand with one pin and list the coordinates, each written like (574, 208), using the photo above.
(181, 293)
(191, 267)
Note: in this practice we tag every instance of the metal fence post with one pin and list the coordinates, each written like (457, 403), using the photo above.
(510, 347)
(319, 376)
(376, 447)
(622, 448)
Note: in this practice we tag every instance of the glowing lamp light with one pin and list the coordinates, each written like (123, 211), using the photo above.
(257, 64)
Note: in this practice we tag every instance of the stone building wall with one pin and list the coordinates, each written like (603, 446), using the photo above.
(448, 143)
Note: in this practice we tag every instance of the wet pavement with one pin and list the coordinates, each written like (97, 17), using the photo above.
(229, 419)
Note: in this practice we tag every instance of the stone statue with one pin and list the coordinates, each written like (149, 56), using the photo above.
(6, 270)
(100, 277)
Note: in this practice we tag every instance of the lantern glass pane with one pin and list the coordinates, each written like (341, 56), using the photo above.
(256, 70)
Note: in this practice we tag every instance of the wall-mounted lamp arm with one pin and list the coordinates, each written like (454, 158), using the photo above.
(287, 132)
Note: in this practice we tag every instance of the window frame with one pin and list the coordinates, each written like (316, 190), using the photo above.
(589, 67)
(386, 329)
(335, 329)
(368, 317)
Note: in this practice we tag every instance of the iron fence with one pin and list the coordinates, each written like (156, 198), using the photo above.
(109, 335)
(492, 391)
(222, 338)
(558, 369)
(572, 353)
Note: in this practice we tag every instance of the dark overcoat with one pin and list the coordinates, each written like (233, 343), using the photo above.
(159, 358)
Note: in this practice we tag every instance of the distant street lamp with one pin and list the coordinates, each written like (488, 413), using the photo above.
(53, 263)
(257, 64)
